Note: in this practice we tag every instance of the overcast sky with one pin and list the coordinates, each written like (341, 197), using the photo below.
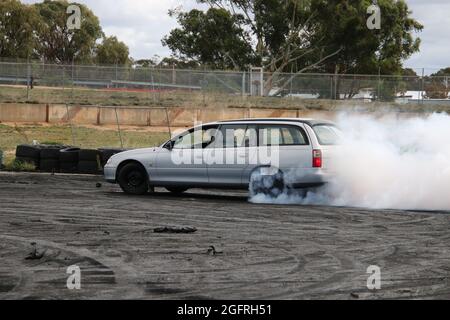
(141, 24)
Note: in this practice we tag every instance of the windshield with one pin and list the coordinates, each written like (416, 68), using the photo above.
(327, 135)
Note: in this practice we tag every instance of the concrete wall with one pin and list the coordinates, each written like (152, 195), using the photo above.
(23, 112)
(140, 116)
(178, 117)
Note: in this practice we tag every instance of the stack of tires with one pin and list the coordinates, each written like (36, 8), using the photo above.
(89, 161)
(29, 154)
(65, 159)
(106, 153)
(49, 158)
(68, 159)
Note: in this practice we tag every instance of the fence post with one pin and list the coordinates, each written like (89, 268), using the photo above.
(28, 79)
(243, 84)
(423, 84)
(152, 79)
(168, 123)
(331, 88)
(335, 86)
(71, 125)
(71, 97)
(118, 128)
(174, 75)
(379, 84)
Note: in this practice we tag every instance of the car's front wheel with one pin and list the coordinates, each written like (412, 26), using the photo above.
(133, 179)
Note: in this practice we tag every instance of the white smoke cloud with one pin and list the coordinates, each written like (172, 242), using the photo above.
(389, 162)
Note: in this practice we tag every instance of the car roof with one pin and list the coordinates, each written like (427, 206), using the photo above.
(310, 122)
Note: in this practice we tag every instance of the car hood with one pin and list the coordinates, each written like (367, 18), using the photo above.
(133, 154)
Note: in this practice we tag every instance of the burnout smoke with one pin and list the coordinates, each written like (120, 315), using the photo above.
(389, 162)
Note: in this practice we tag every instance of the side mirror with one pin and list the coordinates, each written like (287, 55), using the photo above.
(169, 145)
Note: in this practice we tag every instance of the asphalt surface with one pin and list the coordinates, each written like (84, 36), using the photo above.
(261, 251)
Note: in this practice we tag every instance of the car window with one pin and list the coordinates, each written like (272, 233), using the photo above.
(231, 136)
(279, 135)
(327, 134)
(198, 138)
(251, 137)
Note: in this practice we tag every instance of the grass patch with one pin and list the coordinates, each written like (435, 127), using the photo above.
(16, 165)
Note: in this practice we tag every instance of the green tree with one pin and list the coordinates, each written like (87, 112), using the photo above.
(342, 24)
(59, 44)
(172, 62)
(215, 38)
(112, 51)
(301, 35)
(437, 85)
(408, 72)
(17, 23)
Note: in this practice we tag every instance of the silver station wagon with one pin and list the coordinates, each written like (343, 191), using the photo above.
(265, 156)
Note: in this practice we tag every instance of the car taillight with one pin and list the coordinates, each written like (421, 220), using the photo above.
(317, 159)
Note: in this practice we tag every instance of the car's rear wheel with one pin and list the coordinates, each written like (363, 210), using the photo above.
(133, 179)
(268, 184)
(178, 190)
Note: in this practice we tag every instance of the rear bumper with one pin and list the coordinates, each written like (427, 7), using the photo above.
(307, 178)
(110, 174)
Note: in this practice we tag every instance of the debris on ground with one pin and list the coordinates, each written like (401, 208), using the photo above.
(35, 255)
(98, 185)
(354, 295)
(175, 230)
(212, 250)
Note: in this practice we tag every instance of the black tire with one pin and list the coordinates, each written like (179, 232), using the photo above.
(28, 151)
(68, 167)
(88, 167)
(177, 190)
(50, 154)
(107, 153)
(269, 185)
(133, 179)
(88, 155)
(69, 155)
(49, 165)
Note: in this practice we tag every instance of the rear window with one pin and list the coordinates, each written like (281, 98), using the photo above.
(327, 135)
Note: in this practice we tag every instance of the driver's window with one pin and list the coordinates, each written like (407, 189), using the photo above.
(198, 138)
(184, 142)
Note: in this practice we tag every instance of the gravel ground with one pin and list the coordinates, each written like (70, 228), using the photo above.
(262, 251)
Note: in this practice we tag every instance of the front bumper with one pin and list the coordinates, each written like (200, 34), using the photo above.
(110, 174)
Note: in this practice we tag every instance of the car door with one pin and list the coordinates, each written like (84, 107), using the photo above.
(182, 161)
(230, 154)
(285, 147)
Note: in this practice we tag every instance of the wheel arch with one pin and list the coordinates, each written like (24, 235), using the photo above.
(261, 167)
(128, 161)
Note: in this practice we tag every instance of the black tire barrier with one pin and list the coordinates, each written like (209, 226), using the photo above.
(69, 155)
(28, 151)
(68, 167)
(107, 153)
(50, 153)
(88, 155)
(49, 165)
(88, 167)
(32, 161)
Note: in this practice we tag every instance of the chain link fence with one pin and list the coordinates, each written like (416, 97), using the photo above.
(115, 86)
